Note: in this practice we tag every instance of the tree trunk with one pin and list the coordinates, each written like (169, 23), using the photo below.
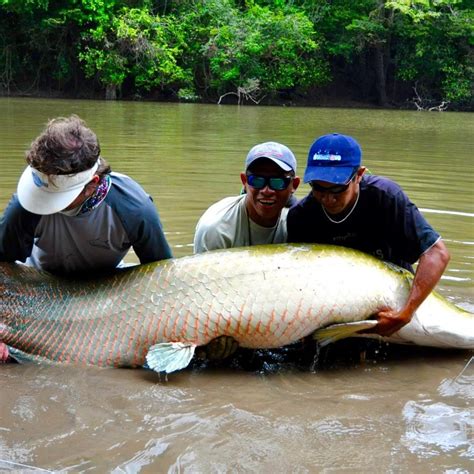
(380, 75)
(111, 92)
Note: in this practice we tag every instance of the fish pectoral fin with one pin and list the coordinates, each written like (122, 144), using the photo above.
(335, 332)
(170, 356)
(25, 358)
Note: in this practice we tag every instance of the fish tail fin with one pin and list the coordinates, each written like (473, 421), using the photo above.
(170, 356)
(335, 332)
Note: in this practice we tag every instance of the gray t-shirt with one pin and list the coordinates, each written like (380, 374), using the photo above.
(226, 224)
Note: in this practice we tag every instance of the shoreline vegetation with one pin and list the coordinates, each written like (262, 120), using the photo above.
(401, 54)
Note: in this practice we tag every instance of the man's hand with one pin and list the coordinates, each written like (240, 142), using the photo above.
(3, 352)
(388, 322)
(219, 348)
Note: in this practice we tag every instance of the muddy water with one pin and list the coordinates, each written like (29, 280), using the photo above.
(357, 407)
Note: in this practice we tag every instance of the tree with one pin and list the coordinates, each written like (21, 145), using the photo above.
(38, 40)
(277, 48)
(435, 48)
(134, 44)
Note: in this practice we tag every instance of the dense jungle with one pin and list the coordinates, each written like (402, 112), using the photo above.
(414, 54)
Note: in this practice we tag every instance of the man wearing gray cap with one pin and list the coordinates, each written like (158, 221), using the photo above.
(259, 215)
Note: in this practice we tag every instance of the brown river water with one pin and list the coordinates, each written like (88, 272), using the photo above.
(359, 407)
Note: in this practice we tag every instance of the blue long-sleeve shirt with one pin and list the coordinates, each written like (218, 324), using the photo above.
(96, 240)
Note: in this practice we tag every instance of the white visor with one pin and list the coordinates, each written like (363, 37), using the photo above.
(45, 194)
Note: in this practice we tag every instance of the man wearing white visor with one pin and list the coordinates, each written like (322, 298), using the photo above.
(71, 214)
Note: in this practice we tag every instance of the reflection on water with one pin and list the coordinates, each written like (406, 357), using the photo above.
(361, 410)
(436, 428)
(443, 427)
(462, 385)
(387, 414)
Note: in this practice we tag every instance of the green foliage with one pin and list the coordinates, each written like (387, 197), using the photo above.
(136, 44)
(188, 94)
(436, 47)
(41, 37)
(428, 42)
(279, 49)
(206, 48)
(109, 65)
(457, 83)
(341, 23)
(24, 6)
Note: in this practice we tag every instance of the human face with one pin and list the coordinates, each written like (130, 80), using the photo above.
(86, 193)
(336, 199)
(264, 205)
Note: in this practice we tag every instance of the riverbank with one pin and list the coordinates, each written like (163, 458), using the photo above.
(284, 100)
(338, 95)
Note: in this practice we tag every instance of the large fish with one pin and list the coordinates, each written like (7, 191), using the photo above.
(263, 296)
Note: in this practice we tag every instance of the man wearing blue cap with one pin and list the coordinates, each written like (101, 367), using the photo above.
(259, 215)
(369, 213)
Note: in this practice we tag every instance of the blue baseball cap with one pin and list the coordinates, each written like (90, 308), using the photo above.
(278, 153)
(333, 158)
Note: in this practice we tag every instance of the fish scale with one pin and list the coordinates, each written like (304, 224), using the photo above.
(263, 296)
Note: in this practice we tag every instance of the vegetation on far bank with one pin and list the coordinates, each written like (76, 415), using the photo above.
(416, 53)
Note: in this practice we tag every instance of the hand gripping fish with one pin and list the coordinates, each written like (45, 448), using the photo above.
(263, 296)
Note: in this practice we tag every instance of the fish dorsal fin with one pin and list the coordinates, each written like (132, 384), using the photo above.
(335, 332)
(170, 356)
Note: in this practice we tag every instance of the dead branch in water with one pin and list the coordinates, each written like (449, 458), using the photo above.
(424, 104)
(249, 91)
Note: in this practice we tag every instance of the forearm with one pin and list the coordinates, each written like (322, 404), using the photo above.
(428, 273)
(430, 268)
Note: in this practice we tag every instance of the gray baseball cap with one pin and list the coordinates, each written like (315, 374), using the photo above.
(278, 153)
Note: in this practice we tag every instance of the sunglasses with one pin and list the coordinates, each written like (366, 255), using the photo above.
(336, 189)
(275, 183)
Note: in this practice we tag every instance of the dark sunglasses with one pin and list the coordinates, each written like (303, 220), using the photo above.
(336, 189)
(277, 184)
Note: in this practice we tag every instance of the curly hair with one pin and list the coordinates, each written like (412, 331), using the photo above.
(66, 146)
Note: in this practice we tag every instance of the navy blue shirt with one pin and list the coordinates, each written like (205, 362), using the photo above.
(384, 223)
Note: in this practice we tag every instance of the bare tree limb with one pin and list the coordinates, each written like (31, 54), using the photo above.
(423, 104)
(249, 91)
